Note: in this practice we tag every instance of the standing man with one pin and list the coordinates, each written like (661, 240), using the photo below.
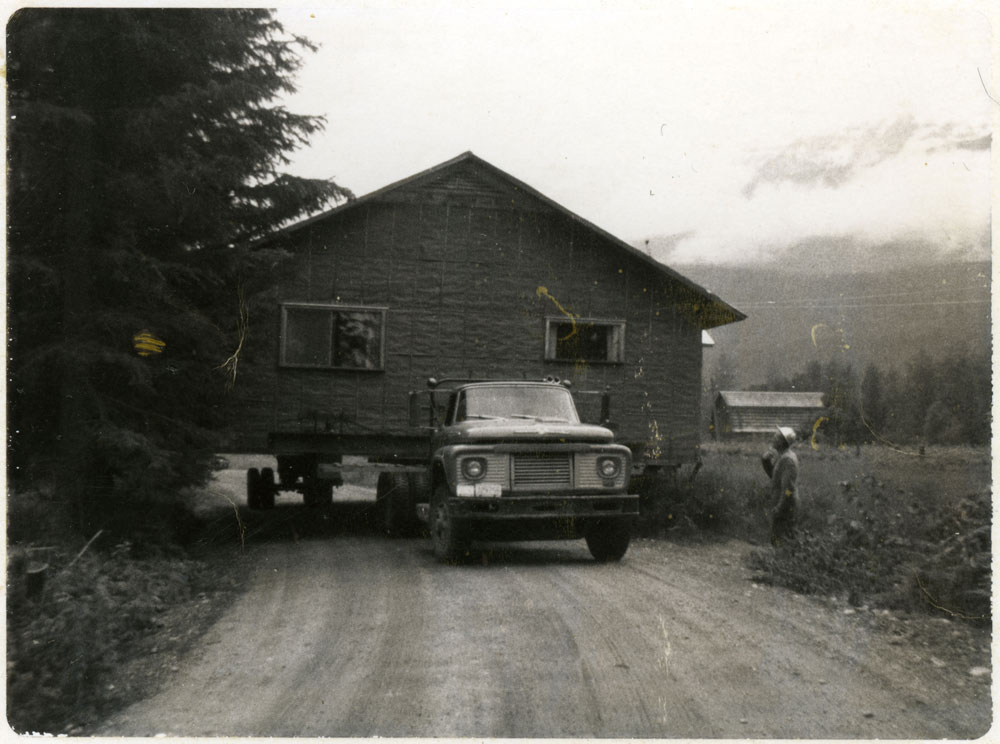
(782, 467)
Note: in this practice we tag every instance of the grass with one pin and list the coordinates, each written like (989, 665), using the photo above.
(878, 526)
(68, 639)
(100, 602)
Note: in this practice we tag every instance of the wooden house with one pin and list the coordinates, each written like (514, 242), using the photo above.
(464, 271)
(745, 414)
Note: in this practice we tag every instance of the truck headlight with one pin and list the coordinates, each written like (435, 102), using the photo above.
(474, 468)
(608, 467)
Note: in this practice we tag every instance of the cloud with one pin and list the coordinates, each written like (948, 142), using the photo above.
(831, 161)
(858, 252)
(662, 247)
(952, 136)
(981, 143)
(899, 205)
(972, 143)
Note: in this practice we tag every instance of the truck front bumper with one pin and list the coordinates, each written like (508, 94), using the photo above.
(542, 506)
(537, 516)
(540, 516)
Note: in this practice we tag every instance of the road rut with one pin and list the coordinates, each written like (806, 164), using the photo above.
(355, 635)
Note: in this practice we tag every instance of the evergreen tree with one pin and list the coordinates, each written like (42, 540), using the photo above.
(964, 391)
(922, 391)
(894, 397)
(723, 375)
(144, 146)
(843, 397)
(874, 412)
(811, 380)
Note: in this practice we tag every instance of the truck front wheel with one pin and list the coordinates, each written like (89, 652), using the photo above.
(608, 542)
(451, 543)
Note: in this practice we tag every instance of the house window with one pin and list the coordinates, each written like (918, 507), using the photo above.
(584, 340)
(332, 336)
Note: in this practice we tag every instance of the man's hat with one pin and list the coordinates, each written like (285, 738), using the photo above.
(788, 434)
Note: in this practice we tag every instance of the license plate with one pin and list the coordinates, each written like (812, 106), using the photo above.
(489, 490)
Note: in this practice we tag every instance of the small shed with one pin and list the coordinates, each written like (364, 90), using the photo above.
(748, 413)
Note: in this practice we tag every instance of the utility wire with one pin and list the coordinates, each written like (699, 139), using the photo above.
(934, 290)
(815, 304)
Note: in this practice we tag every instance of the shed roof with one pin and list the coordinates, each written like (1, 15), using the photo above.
(770, 399)
(710, 313)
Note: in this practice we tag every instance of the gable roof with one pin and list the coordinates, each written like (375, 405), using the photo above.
(767, 399)
(711, 313)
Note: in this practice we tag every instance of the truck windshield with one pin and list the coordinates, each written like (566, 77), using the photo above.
(542, 403)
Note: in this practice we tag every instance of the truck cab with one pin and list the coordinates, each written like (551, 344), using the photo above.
(511, 460)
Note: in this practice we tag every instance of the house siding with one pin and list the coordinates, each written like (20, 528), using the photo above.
(470, 270)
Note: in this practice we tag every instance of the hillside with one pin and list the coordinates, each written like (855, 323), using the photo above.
(796, 315)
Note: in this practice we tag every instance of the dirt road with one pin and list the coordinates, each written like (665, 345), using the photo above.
(358, 635)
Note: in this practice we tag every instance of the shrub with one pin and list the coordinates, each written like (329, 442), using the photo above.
(65, 645)
(721, 499)
(876, 525)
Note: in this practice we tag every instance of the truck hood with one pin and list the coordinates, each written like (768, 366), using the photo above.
(524, 430)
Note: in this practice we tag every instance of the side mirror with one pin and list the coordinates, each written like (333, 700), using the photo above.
(424, 414)
(415, 412)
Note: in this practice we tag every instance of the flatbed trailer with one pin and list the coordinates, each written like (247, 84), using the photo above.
(496, 459)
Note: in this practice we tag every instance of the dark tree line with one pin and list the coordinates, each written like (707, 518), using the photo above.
(144, 147)
(929, 400)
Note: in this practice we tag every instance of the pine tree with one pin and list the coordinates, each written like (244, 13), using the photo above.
(874, 411)
(842, 395)
(922, 391)
(144, 147)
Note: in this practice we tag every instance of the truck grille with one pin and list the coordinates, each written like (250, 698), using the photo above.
(542, 470)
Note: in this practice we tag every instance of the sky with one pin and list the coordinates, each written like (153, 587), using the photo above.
(719, 132)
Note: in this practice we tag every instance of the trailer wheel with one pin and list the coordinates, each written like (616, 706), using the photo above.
(253, 488)
(451, 541)
(395, 508)
(318, 492)
(420, 488)
(608, 541)
(267, 488)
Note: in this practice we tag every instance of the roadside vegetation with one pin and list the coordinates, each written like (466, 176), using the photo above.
(81, 608)
(878, 526)
(78, 609)
(130, 291)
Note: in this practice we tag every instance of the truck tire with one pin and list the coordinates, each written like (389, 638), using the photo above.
(451, 542)
(420, 493)
(253, 488)
(420, 488)
(267, 488)
(317, 492)
(395, 508)
(608, 541)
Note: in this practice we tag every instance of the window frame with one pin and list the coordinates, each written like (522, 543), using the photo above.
(552, 321)
(332, 308)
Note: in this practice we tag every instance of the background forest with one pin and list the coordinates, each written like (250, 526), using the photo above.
(902, 355)
(929, 401)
